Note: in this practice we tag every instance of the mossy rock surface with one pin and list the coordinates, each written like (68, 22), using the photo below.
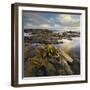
(46, 60)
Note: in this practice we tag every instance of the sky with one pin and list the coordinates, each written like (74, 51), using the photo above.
(50, 20)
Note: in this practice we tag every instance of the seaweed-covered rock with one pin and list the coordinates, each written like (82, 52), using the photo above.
(48, 60)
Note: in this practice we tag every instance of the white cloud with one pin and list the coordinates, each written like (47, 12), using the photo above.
(47, 26)
(65, 18)
(57, 25)
(69, 20)
(28, 25)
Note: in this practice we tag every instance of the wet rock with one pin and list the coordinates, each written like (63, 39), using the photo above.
(47, 60)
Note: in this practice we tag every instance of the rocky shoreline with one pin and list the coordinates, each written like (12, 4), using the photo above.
(48, 60)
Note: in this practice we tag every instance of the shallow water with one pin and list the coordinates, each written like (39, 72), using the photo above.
(75, 42)
(72, 45)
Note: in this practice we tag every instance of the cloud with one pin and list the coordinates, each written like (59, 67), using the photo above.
(28, 26)
(52, 21)
(69, 20)
(66, 18)
(47, 26)
(40, 26)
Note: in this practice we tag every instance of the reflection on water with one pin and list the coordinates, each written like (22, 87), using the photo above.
(68, 45)
(74, 43)
(72, 47)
